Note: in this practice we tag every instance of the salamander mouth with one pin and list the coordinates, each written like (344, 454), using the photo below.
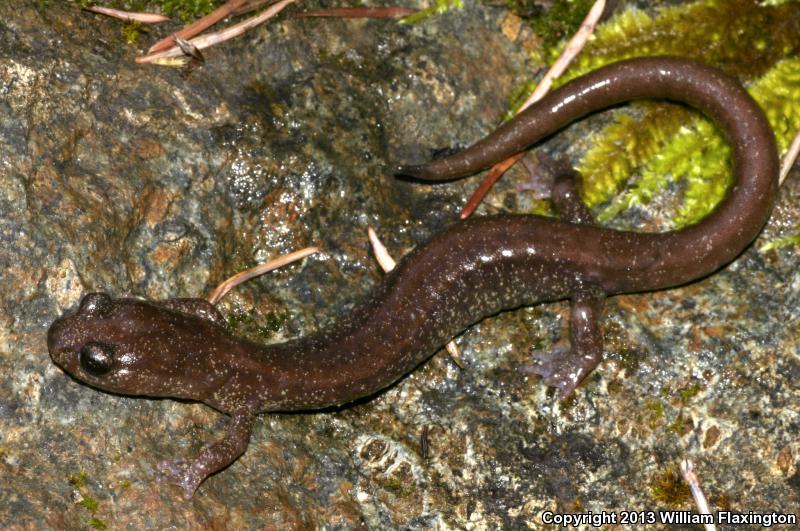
(60, 352)
(61, 357)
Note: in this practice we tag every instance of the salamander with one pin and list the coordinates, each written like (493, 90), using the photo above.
(181, 348)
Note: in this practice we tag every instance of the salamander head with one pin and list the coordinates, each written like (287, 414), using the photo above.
(134, 347)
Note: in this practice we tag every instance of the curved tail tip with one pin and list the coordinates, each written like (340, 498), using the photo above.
(408, 170)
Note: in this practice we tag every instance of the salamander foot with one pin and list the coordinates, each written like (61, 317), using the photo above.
(569, 362)
(179, 472)
(560, 367)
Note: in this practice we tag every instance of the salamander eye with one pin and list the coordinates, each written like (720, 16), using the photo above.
(97, 304)
(97, 358)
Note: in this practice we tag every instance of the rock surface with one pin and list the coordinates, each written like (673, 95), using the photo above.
(131, 179)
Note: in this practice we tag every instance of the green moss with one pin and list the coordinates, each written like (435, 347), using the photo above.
(698, 155)
(786, 241)
(540, 207)
(694, 153)
(741, 36)
(614, 388)
(518, 97)
(438, 7)
(668, 489)
(778, 93)
(688, 393)
(682, 425)
(655, 413)
(665, 142)
(273, 322)
(89, 504)
(77, 480)
(629, 359)
(253, 324)
(96, 523)
(188, 10)
(400, 482)
(621, 148)
(131, 31)
(393, 484)
(567, 404)
(561, 20)
(654, 406)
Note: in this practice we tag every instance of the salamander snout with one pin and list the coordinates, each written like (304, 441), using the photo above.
(55, 343)
(65, 337)
(58, 343)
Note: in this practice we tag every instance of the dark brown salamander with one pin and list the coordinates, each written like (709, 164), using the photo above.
(180, 348)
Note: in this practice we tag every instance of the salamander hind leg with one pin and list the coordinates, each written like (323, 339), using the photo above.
(566, 365)
(566, 197)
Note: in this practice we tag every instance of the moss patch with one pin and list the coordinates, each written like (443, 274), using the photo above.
(665, 143)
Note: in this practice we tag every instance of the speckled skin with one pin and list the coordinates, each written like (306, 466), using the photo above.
(180, 348)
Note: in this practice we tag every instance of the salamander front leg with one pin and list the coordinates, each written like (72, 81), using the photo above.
(198, 307)
(566, 367)
(189, 475)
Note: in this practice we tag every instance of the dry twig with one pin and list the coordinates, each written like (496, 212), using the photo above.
(687, 469)
(144, 18)
(246, 275)
(789, 159)
(199, 25)
(204, 41)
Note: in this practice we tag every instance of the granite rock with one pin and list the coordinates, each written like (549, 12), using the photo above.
(143, 180)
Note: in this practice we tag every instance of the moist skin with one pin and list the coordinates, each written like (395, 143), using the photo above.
(180, 347)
